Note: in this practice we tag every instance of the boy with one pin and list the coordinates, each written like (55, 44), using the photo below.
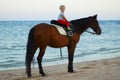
(62, 19)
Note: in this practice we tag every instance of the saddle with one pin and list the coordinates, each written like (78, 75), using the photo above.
(69, 32)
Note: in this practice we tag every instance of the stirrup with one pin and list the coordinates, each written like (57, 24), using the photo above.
(70, 33)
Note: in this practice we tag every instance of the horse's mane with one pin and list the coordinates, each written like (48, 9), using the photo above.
(79, 20)
(82, 21)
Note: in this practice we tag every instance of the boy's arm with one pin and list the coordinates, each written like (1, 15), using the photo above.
(64, 17)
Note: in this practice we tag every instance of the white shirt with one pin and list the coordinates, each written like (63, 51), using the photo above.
(60, 16)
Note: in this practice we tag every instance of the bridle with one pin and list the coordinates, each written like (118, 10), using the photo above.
(90, 25)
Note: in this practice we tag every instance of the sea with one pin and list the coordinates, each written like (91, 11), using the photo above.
(14, 35)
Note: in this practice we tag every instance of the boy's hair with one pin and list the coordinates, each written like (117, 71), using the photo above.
(62, 6)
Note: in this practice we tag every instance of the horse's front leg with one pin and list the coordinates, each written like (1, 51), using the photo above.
(71, 49)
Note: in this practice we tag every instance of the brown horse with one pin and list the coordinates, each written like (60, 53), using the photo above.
(43, 35)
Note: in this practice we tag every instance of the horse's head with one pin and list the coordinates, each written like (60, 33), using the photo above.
(95, 25)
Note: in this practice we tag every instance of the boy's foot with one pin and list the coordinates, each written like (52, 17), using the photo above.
(69, 29)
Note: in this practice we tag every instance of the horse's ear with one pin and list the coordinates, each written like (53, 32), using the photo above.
(95, 16)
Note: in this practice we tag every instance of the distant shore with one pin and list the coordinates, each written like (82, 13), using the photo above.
(107, 69)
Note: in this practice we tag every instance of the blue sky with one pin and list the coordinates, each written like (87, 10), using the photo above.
(49, 9)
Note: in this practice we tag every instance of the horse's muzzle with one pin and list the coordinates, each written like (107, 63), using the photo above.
(98, 32)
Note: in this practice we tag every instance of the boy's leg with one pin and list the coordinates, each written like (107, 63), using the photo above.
(68, 25)
(61, 22)
(64, 23)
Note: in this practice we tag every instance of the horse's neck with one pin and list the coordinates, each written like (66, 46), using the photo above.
(81, 26)
(81, 30)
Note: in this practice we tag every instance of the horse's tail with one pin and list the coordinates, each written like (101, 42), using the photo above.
(30, 50)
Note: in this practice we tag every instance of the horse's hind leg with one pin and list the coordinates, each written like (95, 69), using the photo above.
(39, 58)
(29, 57)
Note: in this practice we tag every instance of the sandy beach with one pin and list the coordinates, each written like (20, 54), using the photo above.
(107, 69)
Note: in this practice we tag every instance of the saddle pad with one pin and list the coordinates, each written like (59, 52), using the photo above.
(60, 29)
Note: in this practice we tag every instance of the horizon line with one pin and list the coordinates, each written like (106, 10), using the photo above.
(69, 20)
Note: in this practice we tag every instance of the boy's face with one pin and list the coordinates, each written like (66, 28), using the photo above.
(62, 9)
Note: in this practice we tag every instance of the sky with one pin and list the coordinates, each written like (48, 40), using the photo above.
(49, 9)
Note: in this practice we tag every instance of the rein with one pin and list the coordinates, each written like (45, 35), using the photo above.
(85, 31)
(61, 52)
(90, 32)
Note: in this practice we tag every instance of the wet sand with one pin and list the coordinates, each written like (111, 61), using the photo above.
(107, 69)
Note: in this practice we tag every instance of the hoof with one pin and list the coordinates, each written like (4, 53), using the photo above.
(71, 71)
(43, 74)
(29, 75)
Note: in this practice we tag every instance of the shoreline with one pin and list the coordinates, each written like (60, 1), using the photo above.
(82, 59)
(105, 69)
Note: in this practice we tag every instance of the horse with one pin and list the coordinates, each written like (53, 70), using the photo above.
(43, 35)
